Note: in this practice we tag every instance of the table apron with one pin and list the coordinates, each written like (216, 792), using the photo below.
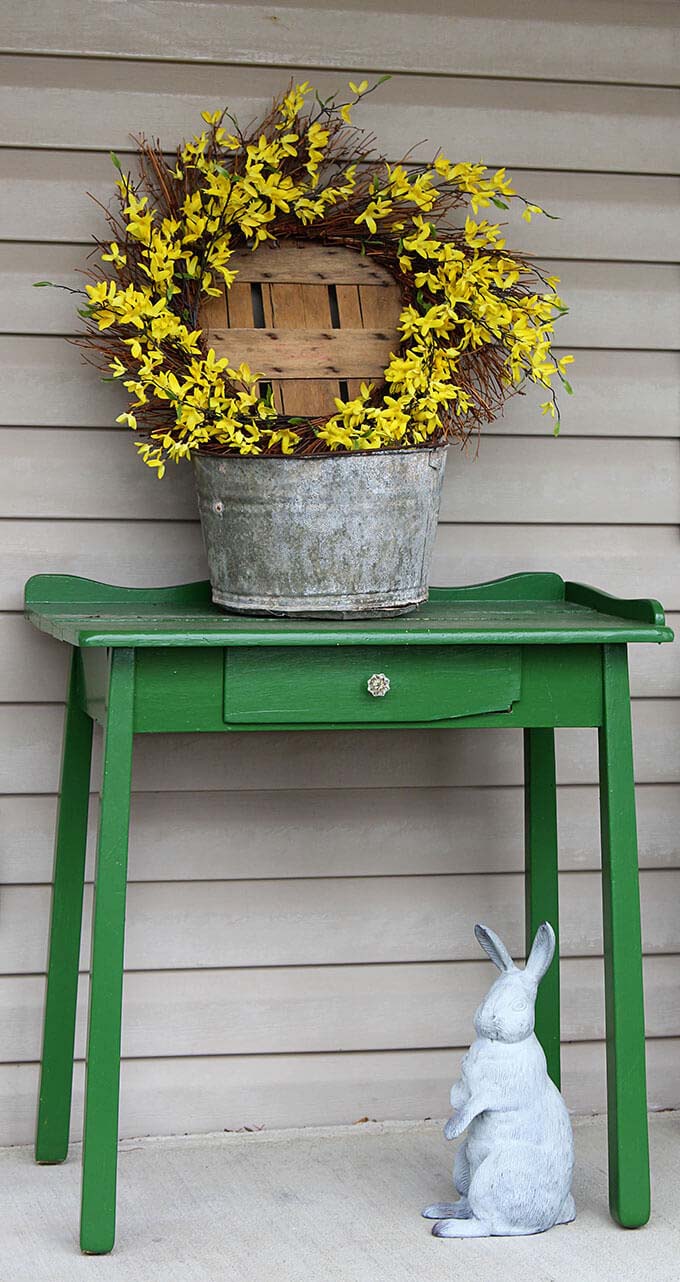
(182, 690)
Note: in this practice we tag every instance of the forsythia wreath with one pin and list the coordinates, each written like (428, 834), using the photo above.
(476, 320)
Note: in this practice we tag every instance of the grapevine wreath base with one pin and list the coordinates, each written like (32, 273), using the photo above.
(476, 321)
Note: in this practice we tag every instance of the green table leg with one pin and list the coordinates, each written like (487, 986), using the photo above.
(56, 1077)
(624, 1004)
(100, 1140)
(540, 880)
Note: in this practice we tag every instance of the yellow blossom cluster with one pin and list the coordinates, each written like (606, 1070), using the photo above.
(464, 296)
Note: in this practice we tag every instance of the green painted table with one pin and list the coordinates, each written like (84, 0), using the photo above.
(529, 651)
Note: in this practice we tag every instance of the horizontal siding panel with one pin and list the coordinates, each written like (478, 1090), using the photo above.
(537, 480)
(112, 552)
(655, 670)
(33, 666)
(599, 482)
(332, 921)
(46, 383)
(637, 43)
(627, 562)
(332, 1008)
(189, 1095)
(609, 216)
(31, 739)
(89, 104)
(311, 965)
(330, 832)
(616, 393)
(634, 306)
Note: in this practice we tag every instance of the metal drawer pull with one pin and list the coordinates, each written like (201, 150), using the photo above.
(378, 684)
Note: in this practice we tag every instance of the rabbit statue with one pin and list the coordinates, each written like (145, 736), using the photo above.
(514, 1170)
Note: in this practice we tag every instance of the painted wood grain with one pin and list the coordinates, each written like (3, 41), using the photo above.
(542, 480)
(333, 921)
(637, 43)
(89, 104)
(617, 305)
(309, 841)
(623, 559)
(207, 1093)
(33, 666)
(336, 832)
(30, 741)
(46, 383)
(609, 216)
(616, 393)
(288, 1010)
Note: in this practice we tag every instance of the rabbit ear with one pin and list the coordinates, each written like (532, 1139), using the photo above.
(494, 948)
(542, 952)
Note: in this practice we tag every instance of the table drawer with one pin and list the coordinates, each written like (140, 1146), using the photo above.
(370, 685)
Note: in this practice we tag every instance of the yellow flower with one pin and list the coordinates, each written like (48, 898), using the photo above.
(293, 103)
(114, 255)
(286, 438)
(422, 241)
(335, 435)
(531, 209)
(103, 291)
(105, 318)
(464, 292)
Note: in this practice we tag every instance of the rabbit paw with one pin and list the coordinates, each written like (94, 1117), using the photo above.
(468, 1227)
(453, 1127)
(459, 1210)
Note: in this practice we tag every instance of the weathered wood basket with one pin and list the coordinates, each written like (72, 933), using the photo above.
(340, 535)
(315, 320)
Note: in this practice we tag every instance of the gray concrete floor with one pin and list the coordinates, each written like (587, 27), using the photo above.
(339, 1204)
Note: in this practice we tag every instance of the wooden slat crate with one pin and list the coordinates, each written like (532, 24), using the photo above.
(314, 320)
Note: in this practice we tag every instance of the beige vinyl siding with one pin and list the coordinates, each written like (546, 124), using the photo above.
(300, 941)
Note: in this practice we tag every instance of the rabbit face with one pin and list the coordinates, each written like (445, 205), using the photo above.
(507, 1012)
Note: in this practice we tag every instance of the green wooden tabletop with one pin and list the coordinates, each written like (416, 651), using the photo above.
(525, 609)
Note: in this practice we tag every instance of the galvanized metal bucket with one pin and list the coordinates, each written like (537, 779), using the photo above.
(337, 536)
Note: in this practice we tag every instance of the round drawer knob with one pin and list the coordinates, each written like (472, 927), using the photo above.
(378, 684)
